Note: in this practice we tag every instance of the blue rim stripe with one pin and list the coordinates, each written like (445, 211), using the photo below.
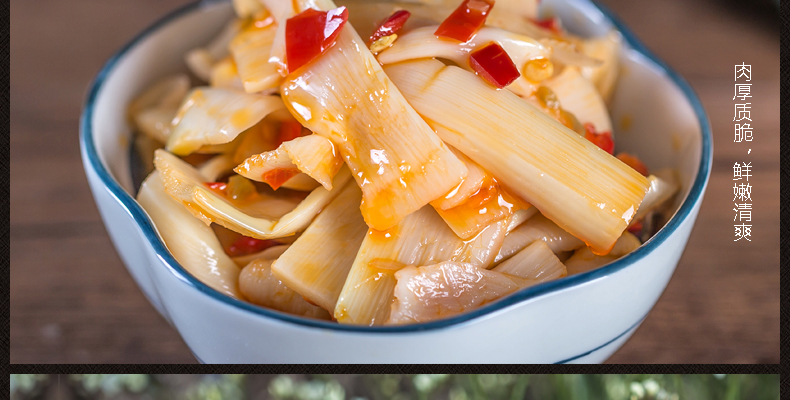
(567, 360)
(136, 212)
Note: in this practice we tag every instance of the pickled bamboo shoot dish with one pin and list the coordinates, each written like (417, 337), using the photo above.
(381, 163)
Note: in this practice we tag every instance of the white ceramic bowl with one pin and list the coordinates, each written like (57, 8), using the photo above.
(581, 318)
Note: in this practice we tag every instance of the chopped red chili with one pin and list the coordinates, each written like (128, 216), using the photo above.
(289, 130)
(391, 25)
(603, 140)
(465, 20)
(246, 245)
(276, 177)
(635, 228)
(633, 162)
(310, 33)
(494, 65)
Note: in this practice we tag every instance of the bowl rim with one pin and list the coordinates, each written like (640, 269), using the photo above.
(92, 159)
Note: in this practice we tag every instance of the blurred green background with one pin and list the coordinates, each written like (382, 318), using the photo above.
(395, 387)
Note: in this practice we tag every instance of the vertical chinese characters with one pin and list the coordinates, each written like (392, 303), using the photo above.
(742, 171)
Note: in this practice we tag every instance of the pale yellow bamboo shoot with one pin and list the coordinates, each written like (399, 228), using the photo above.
(538, 228)
(580, 187)
(261, 287)
(312, 154)
(193, 244)
(251, 50)
(212, 116)
(535, 261)
(580, 97)
(438, 291)
(397, 160)
(317, 263)
(422, 238)
(260, 216)
(584, 259)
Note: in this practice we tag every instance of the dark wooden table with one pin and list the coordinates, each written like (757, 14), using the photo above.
(72, 300)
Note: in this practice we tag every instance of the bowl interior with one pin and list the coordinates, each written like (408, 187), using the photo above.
(667, 125)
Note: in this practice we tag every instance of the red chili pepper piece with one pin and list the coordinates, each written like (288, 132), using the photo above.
(552, 24)
(602, 140)
(633, 162)
(246, 245)
(276, 177)
(494, 65)
(391, 25)
(218, 186)
(289, 130)
(465, 20)
(635, 228)
(310, 33)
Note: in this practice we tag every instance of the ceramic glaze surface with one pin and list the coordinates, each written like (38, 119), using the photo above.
(582, 318)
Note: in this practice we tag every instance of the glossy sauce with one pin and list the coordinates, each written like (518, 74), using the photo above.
(276, 177)
(489, 204)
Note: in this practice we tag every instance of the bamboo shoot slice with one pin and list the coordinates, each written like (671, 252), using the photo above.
(489, 204)
(222, 148)
(168, 92)
(215, 116)
(538, 228)
(312, 154)
(216, 167)
(470, 185)
(247, 8)
(626, 243)
(155, 122)
(261, 137)
(577, 95)
(584, 259)
(607, 49)
(301, 182)
(422, 238)
(261, 287)
(523, 9)
(516, 16)
(317, 263)
(536, 261)
(153, 110)
(224, 74)
(282, 10)
(251, 49)
(566, 52)
(185, 184)
(269, 254)
(201, 60)
(192, 243)
(397, 160)
(449, 288)
(519, 217)
(580, 187)
(663, 185)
